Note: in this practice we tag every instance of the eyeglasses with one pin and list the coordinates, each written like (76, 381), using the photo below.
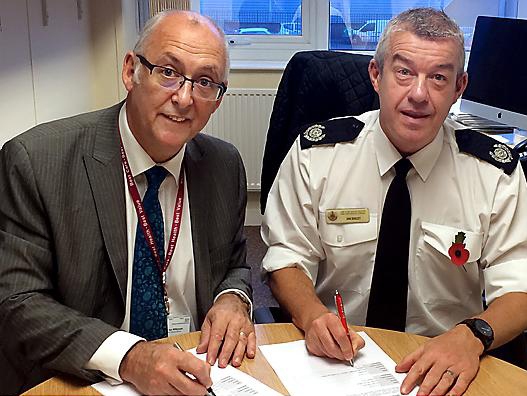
(202, 88)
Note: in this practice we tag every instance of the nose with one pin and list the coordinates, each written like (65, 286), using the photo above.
(419, 90)
(183, 95)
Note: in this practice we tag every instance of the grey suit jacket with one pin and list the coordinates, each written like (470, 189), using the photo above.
(63, 258)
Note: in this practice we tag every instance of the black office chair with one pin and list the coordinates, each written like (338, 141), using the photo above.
(315, 86)
(514, 352)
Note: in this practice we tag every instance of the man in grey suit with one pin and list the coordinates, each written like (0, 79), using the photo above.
(73, 233)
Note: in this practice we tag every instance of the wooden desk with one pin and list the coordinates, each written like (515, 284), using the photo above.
(495, 376)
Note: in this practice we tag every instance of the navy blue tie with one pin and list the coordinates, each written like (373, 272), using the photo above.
(147, 312)
(389, 286)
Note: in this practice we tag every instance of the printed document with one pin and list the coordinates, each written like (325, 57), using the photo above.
(305, 374)
(228, 381)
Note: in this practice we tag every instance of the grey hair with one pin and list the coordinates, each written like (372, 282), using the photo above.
(195, 18)
(426, 23)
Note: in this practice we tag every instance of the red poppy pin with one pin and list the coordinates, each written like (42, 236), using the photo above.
(457, 252)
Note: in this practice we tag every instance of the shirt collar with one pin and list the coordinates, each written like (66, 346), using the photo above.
(138, 159)
(422, 161)
(425, 159)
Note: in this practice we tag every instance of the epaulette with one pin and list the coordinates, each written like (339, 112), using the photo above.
(330, 132)
(488, 149)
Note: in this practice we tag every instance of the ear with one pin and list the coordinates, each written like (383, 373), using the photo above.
(218, 102)
(127, 73)
(461, 84)
(375, 74)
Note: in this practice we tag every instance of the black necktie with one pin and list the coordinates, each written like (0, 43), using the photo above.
(389, 286)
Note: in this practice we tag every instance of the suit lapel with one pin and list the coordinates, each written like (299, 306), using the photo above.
(196, 173)
(104, 171)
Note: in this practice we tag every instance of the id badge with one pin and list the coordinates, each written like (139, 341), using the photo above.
(178, 324)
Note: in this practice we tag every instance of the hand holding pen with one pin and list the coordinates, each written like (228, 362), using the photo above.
(160, 369)
(342, 316)
(209, 389)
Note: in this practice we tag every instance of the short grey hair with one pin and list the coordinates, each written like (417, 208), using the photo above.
(195, 18)
(426, 23)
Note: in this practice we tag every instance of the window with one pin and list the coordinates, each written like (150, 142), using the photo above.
(256, 17)
(358, 24)
(266, 33)
(263, 31)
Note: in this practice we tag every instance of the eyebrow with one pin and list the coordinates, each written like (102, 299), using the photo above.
(203, 69)
(404, 59)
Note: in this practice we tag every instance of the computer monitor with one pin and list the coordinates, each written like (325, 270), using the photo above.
(497, 71)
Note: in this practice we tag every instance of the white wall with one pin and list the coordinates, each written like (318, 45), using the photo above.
(60, 62)
(63, 64)
(44, 66)
(17, 110)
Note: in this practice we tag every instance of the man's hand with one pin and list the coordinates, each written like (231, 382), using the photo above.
(447, 362)
(159, 369)
(325, 336)
(228, 327)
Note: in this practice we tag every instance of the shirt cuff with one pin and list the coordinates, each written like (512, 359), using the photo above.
(108, 357)
(280, 256)
(244, 297)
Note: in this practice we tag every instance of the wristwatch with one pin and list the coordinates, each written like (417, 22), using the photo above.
(481, 330)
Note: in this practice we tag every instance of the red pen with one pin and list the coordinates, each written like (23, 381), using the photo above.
(342, 316)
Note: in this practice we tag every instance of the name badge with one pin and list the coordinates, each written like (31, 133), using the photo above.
(178, 324)
(347, 216)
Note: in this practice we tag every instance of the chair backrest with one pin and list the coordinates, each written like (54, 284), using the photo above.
(315, 86)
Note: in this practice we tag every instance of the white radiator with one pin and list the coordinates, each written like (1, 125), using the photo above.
(243, 119)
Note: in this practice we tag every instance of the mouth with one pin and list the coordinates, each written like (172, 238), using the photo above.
(414, 114)
(175, 118)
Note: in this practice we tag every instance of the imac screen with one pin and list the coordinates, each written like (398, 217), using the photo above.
(497, 71)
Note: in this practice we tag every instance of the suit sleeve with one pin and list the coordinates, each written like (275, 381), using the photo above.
(42, 331)
(238, 275)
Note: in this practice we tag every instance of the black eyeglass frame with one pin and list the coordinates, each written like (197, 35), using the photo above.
(150, 66)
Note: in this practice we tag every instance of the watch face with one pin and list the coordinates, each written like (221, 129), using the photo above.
(484, 328)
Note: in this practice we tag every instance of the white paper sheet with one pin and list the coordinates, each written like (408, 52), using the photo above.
(228, 381)
(305, 374)
(115, 390)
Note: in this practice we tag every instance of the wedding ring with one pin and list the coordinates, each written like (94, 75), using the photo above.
(242, 334)
(450, 372)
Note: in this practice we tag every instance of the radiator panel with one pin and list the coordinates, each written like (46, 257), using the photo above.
(243, 119)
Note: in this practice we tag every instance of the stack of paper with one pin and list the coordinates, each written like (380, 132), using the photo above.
(305, 374)
(228, 381)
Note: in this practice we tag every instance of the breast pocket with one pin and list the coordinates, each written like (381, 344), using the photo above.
(349, 252)
(441, 278)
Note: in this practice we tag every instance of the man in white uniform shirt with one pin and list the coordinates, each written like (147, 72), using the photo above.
(464, 197)
(83, 282)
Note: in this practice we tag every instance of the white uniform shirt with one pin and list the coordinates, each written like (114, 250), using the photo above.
(450, 192)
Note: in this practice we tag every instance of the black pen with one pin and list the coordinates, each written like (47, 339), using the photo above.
(209, 389)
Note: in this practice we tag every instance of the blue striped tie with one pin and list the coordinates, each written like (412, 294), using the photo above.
(147, 311)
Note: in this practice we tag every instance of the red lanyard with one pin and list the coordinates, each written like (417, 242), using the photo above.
(145, 225)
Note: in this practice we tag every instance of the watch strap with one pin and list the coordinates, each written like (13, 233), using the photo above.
(485, 340)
